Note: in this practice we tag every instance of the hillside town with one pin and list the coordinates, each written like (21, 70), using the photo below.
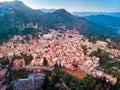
(65, 49)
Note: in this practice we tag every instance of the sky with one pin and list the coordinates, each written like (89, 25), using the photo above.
(75, 5)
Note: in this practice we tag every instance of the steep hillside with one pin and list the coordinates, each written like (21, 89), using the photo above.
(104, 20)
(7, 6)
(61, 19)
(15, 17)
(14, 23)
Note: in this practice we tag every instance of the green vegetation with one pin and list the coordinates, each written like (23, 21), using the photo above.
(14, 75)
(21, 73)
(104, 56)
(113, 68)
(27, 59)
(109, 68)
(29, 31)
(84, 49)
(9, 24)
(100, 37)
(105, 20)
(108, 65)
(4, 62)
(45, 62)
(114, 40)
(71, 81)
(16, 18)
(52, 82)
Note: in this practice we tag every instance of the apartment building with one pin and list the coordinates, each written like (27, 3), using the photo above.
(33, 82)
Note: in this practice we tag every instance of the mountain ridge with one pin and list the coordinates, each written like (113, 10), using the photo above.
(105, 20)
(83, 14)
(25, 17)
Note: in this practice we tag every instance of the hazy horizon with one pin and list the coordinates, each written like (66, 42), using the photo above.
(74, 5)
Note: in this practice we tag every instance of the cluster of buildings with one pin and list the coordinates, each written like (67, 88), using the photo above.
(115, 52)
(3, 72)
(33, 82)
(58, 48)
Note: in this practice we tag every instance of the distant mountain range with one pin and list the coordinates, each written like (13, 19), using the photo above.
(82, 14)
(106, 21)
(17, 18)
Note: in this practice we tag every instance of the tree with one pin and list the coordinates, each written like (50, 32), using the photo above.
(84, 49)
(4, 62)
(45, 62)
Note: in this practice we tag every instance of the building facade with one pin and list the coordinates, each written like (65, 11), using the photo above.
(33, 82)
